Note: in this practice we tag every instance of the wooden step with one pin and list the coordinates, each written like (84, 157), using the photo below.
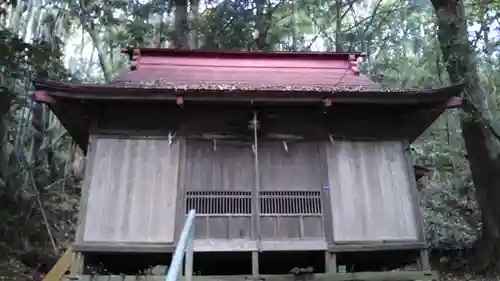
(356, 276)
(59, 269)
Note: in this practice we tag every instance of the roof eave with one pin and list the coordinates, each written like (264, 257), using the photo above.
(376, 96)
(429, 115)
(436, 101)
(67, 118)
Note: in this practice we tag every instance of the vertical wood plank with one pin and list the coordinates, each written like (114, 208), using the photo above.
(123, 193)
(95, 207)
(138, 182)
(415, 196)
(370, 193)
(91, 155)
(141, 177)
(112, 185)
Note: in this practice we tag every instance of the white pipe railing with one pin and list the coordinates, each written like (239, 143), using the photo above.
(184, 247)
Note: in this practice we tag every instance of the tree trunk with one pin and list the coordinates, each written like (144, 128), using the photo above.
(481, 138)
(260, 25)
(93, 31)
(338, 25)
(294, 26)
(105, 64)
(37, 141)
(5, 102)
(195, 31)
(181, 40)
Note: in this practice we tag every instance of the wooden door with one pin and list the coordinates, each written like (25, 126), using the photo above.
(219, 180)
(290, 192)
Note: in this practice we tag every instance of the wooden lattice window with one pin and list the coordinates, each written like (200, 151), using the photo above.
(220, 203)
(290, 203)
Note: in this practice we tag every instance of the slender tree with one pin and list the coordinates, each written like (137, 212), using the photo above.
(480, 136)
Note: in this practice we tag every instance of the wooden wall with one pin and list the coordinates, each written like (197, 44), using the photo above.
(370, 192)
(343, 192)
(285, 205)
(130, 192)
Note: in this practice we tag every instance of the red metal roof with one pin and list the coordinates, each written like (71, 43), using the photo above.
(246, 76)
(244, 70)
(166, 74)
(243, 77)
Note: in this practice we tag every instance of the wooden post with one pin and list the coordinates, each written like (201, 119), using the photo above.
(256, 191)
(255, 265)
(424, 260)
(77, 265)
(188, 263)
(330, 262)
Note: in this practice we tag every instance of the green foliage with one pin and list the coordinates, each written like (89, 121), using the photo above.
(31, 157)
(227, 27)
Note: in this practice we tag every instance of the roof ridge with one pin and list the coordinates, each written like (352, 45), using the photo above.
(169, 52)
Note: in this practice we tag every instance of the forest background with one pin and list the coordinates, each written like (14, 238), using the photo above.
(411, 44)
